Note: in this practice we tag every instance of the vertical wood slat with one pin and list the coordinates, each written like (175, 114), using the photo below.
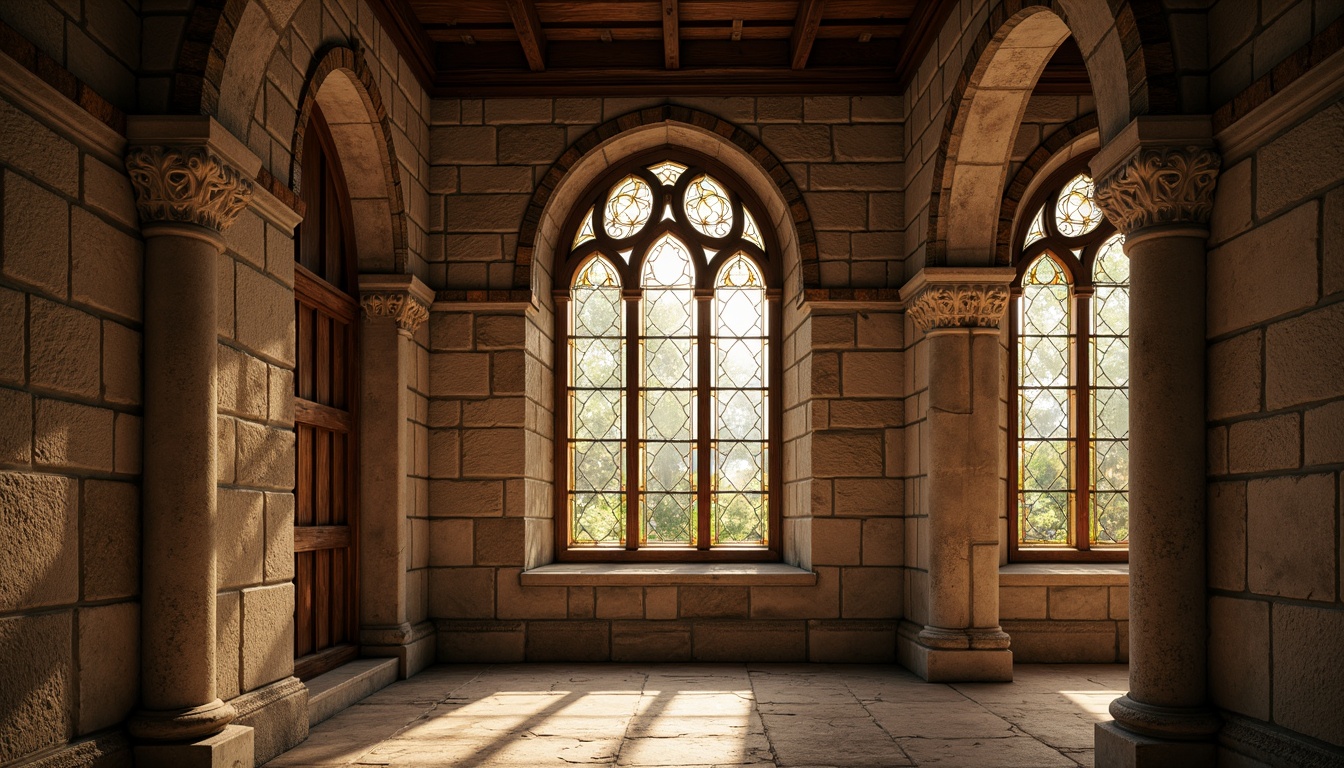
(303, 603)
(304, 375)
(322, 600)
(338, 478)
(339, 589)
(303, 507)
(339, 364)
(322, 477)
(322, 368)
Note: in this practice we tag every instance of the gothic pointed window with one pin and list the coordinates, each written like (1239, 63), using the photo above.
(666, 424)
(1070, 389)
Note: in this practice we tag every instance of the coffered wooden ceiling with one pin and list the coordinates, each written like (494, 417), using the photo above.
(641, 47)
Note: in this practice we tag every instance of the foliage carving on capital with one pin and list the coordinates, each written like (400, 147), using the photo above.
(1172, 185)
(186, 184)
(408, 313)
(965, 305)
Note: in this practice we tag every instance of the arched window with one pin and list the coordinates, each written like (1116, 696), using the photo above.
(1070, 392)
(666, 417)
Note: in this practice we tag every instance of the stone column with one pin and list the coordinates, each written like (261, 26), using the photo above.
(1155, 181)
(187, 193)
(959, 311)
(395, 306)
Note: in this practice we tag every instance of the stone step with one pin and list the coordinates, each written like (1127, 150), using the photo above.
(333, 691)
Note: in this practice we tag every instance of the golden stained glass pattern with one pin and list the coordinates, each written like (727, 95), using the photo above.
(668, 172)
(708, 208)
(597, 474)
(749, 231)
(1045, 446)
(1076, 210)
(628, 207)
(741, 404)
(1037, 231)
(585, 230)
(1109, 513)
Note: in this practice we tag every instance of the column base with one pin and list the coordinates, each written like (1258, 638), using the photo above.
(180, 725)
(1119, 748)
(277, 714)
(411, 645)
(230, 748)
(942, 665)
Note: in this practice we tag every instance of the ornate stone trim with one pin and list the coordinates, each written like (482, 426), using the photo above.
(186, 184)
(408, 312)
(965, 305)
(1156, 186)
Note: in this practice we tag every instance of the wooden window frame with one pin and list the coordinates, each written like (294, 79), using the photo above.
(340, 302)
(569, 263)
(1081, 289)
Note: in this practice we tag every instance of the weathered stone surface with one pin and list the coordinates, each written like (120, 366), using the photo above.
(518, 602)
(13, 336)
(568, 641)
(499, 541)
(1022, 602)
(760, 641)
(650, 641)
(531, 144)
(1307, 681)
(105, 266)
(39, 553)
(266, 318)
(1262, 445)
(1227, 536)
(1323, 441)
(1301, 565)
(871, 593)
(39, 687)
(847, 454)
(494, 453)
(1078, 603)
(64, 353)
(868, 142)
(265, 456)
(462, 146)
(241, 553)
(268, 634)
(1253, 278)
(110, 540)
(798, 142)
(884, 541)
(1303, 358)
(620, 603)
(1234, 376)
(1239, 655)
(714, 602)
(1301, 161)
(462, 593)
(16, 429)
(36, 237)
(109, 664)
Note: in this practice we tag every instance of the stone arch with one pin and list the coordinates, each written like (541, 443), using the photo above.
(594, 152)
(1002, 67)
(1038, 166)
(206, 40)
(343, 85)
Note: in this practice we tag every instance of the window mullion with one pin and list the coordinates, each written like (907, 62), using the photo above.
(704, 306)
(1082, 456)
(634, 477)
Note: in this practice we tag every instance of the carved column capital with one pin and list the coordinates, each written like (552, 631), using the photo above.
(186, 184)
(403, 308)
(1160, 185)
(962, 305)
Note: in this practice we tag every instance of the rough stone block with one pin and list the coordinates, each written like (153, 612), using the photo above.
(1022, 602)
(72, 435)
(37, 233)
(798, 142)
(500, 541)
(847, 454)
(39, 556)
(268, 634)
(109, 664)
(650, 641)
(756, 641)
(266, 319)
(279, 537)
(241, 537)
(450, 543)
(531, 144)
(871, 593)
(868, 497)
(568, 641)
(1307, 675)
(884, 541)
(1061, 642)
(1227, 536)
(482, 642)
(819, 601)
(232, 747)
(1323, 441)
(518, 602)
(1254, 277)
(105, 266)
(714, 602)
(38, 695)
(1239, 655)
(494, 453)
(844, 211)
(1232, 203)
(265, 456)
(1078, 603)
(621, 603)
(1302, 161)
(836, 542)
(1303, 358)
(16, 428)
(13, 336)
(462, 593)
(582, 602)
(110, 540)
(1301, 565)
(65, 349)
(459, 374)
(122, 364)
(29, 145)
(108, 190)
(1234, 376)
(495, 178)
(466, 498)
(851, 642)
(660, 602)
(462, 146)
(126, 444)
(1332, 244)
(1262, 445)
(1116, 746)
(880, 143)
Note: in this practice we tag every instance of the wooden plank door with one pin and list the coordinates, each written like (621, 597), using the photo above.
(326, 517)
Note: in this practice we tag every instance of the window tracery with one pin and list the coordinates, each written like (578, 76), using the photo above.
(1070, 401)
(666, 419)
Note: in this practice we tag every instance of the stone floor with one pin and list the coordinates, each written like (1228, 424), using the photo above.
(717, 715)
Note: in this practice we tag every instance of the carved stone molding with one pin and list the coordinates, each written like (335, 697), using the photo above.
(404, 308)
(186, 184)
(965, 305)
(1156, 186)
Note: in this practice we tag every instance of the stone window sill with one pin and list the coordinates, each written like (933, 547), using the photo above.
(1064, 575)
(667, 574)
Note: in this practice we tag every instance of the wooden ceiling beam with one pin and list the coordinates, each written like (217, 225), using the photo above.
(671, 35)
(805, 31)
(530, 35)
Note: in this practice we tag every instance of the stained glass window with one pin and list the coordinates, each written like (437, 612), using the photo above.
(1071, 387)
(667, 415)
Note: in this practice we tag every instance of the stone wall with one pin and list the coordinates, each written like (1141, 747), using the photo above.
(1276, 427)
(1248, 38)
(96, 41)
(70, 419)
